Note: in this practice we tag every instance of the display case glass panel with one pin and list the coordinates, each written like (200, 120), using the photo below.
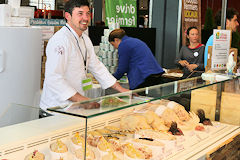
(111, 103)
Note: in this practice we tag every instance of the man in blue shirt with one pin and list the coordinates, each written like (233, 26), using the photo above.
(231, 23)
(135, 59)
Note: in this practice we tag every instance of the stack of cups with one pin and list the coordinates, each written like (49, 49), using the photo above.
(108, 55)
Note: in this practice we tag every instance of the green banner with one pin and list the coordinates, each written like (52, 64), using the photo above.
(123, 12)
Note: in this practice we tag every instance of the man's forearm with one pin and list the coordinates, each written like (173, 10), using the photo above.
(78, 97)
(119, 88)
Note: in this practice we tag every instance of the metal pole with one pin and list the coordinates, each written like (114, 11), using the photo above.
(85, 142)
(150, 13)
(92, 12)
(179, 24)
(223, 16)
(218, 101)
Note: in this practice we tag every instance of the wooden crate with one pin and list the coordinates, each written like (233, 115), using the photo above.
(205, 99)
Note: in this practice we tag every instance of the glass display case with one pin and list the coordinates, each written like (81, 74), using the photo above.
(177, 90)
(127, 125)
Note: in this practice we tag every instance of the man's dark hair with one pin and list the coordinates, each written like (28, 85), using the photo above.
(117, 33)
(71, 4)
(230, 13)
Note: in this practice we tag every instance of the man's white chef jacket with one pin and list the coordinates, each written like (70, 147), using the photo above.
(64, 70)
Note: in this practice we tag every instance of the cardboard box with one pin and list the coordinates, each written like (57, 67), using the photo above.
(27, 12)
(5, 11)
(20, 21)
(47, 32)
(14, 3)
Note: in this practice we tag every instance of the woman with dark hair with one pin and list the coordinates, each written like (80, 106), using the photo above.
(190, 58)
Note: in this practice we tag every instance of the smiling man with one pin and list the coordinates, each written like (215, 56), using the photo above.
(70, 54)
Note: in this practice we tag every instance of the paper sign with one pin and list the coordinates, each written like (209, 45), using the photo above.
(220, 50)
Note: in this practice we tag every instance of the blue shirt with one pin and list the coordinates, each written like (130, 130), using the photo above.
(136, 59)
(209, 43)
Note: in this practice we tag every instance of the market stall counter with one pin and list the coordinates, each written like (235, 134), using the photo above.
(130, 126)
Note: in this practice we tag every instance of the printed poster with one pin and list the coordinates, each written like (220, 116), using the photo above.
(191, 16)
(123, 12)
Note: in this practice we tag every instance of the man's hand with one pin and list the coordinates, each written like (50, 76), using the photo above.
(183, 63)
(191, 67)
(90, 105)
(78, 98)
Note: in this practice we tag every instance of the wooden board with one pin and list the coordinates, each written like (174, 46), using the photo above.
(205, 98)
(209, 59)
(230, 108)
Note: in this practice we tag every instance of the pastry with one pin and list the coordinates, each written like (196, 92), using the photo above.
(151, 148)
(77, 139)
(109, 137)
(148, 141)
(35, 155)
(94, 133)
(169, 116)
(154, 135)
(117, 146)
(184, 120)
(79, 154)
(134, 122)
(58, 147)
(182, 114)
(58, 150)
(132, 152)
(112, 128)
(104, 146)
(155, 121)
(110, 156)
(103, 131)
(93, 140)
(190, 124)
